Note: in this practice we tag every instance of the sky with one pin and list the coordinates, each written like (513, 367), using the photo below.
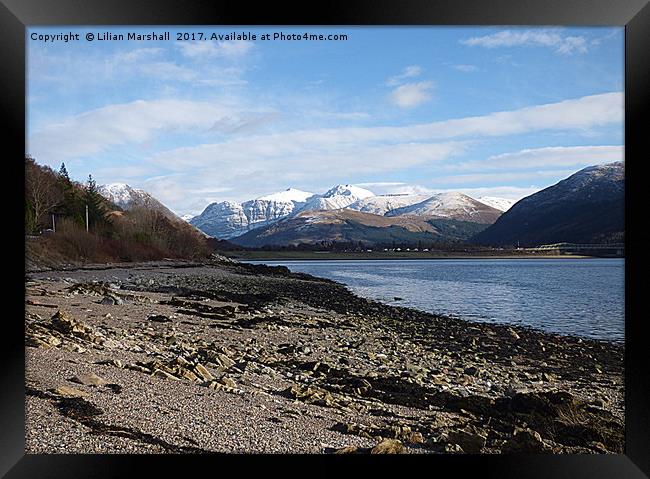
(487, 111)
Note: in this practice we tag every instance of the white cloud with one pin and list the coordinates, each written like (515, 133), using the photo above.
(211, 49)
(547, 38)
(553, 156)
(310, 158)
(129, 123)
(502, 176)
(410, 71)
(139, 121)
(509, 192)
(411, 94)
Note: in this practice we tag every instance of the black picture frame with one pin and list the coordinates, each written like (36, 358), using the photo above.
(16, 15)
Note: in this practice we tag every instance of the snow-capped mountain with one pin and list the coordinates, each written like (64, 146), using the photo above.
(272, 207)
(382, 204)
(501, 204)
(187, 217)
(586, 207)
(450, 205)
(228, 219)
(340, 196)
(127, 197)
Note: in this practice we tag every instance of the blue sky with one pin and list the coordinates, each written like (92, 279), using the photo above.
(484, 110)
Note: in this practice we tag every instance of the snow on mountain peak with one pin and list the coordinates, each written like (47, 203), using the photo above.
(120, 193)
(290, 194)
(348, 190)
(501, 204)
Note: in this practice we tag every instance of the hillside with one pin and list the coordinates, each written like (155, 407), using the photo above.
(57, 231)
(349, 226)
(587, 207)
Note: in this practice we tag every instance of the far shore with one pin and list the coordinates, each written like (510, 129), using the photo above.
(326, 255)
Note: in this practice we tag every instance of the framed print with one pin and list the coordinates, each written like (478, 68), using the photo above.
(326, 235)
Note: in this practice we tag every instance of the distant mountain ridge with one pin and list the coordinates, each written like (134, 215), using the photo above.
(227, 219)
(453, 205)
(586, 207)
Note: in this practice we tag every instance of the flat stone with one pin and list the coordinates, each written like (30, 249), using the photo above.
(90, 379)
(203, 373)
(164, 374)
(70, 392)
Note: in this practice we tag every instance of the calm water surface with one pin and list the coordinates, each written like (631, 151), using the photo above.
(582, 297)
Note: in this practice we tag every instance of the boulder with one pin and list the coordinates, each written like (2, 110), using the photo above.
(471, 442)
(526, 441)
(388, 446)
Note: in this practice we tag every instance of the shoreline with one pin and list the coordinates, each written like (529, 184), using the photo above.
(320, 361)
(379, 257)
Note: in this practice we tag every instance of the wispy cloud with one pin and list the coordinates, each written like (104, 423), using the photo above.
(309, 158)
(548, 157)
(129, 123)
(487, 178)
(410, 95)
(564, 44)
(410, 71)
(509, 192)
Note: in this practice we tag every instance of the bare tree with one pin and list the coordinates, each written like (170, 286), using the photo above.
(42, 193)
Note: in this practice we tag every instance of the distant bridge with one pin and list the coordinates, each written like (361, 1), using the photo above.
(609, 249)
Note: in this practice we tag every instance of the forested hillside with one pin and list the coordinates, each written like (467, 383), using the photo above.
(56, 229)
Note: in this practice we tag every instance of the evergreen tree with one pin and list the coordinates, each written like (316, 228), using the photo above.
(63, 172)
(95, 203)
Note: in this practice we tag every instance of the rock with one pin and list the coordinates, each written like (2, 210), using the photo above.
(90, 379)
(471, 442)
(416, 438)
(347, 450)
(159, 318)
(225, 361)
(164, 374)
(471, 371)
(226, 381)
(453, 448)
(203, 373)
(526, 441)
(548, 377)
(70, 392)
(388, 446)
(513, 334)
(111, 300)
(35, 342)
(189, 375)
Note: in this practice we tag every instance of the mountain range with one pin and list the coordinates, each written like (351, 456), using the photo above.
(229, 220)
(586, 207)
